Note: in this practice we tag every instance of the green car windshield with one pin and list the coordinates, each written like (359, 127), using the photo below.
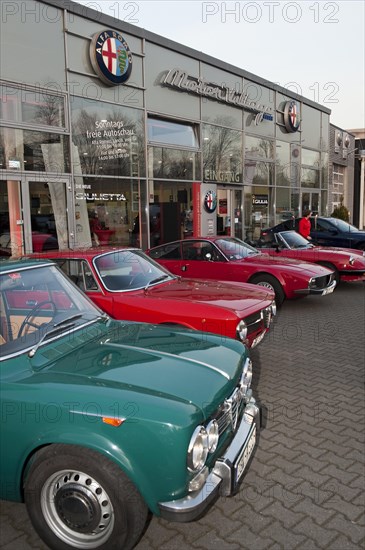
(38, 302)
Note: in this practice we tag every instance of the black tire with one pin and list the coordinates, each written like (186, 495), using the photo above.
(332, 268)
(74, 494)
(269, 281)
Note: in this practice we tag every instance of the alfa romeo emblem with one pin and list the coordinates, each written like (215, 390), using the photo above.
(111, 57)
(291, 116)
(210, 201)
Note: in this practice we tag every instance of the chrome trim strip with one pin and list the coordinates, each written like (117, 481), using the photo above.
(28, 267)
(326, 290)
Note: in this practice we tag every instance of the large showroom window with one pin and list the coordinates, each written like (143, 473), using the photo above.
(174, 166)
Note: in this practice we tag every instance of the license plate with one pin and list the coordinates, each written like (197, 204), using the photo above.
(258, 339)
(328, 291)
(245, 455)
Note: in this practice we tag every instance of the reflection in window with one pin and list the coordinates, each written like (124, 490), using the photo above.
(172, 133)
(174, 163)
(103, 211)
(258, 173)
(29, 150)
(259, 148)
(324, 170)
(32, 107)
(283, 169)
(310, 177)
(109, 139)
(222, 154)
(310, 158)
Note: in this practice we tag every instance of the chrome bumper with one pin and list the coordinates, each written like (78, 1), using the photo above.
(221, 480)
(318, 291)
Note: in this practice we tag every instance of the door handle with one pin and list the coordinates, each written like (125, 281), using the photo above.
(184, 268)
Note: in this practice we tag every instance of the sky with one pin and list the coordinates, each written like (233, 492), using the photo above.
(315, 48)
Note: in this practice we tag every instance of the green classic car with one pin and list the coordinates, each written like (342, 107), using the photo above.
(104, 421)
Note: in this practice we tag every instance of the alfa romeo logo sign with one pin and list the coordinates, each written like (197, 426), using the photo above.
(291, 116)
(111, 57)
(210, 201)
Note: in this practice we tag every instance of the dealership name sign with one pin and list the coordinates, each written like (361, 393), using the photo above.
(179, 79)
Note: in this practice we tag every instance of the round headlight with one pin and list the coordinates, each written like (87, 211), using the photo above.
(246, 377)
(213, 435)
(351, 260)
(198, 449)
(241, 330)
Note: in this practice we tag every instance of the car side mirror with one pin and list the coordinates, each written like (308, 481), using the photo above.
(276, 247)
(333, 231)
(208, 256)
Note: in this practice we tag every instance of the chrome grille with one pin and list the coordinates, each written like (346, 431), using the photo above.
(254, 321)
(322, 282)
(229, 412)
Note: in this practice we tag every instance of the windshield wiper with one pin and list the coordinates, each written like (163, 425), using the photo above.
(157, 280)
(71, 318)
(60, 327)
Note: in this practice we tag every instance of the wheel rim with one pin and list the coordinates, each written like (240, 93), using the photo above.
(266, 285)
(77, 509)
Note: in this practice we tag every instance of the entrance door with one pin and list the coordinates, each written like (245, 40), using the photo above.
(229, 212)
(11, 222)
(35, 214)
(310, 201)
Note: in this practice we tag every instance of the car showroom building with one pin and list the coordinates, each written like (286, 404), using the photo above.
(112, 134)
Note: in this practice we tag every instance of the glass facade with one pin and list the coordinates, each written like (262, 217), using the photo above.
(222, 154)
(135, 162)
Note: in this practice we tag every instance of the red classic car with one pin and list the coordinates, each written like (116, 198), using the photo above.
(348, 264)
(230, 259)
(41, 243)
(128, 285)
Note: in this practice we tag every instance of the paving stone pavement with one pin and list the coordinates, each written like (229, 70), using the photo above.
(306, 484)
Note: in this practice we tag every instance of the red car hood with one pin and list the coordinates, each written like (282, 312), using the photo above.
(228, 295)
(285, 263)
(347, 251)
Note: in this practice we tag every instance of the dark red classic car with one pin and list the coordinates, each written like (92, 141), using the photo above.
(348, 264)
(230, 259)
(128, 285)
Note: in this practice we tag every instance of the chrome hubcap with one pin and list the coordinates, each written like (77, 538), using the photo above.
(77, 509)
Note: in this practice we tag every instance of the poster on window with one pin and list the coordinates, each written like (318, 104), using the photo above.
(53, 162)
(83, 233)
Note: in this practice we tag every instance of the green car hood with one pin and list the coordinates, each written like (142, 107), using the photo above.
(187, 366)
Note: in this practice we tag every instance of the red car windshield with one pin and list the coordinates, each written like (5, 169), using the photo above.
(235, 249)
(129, 270)
(292, 239)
